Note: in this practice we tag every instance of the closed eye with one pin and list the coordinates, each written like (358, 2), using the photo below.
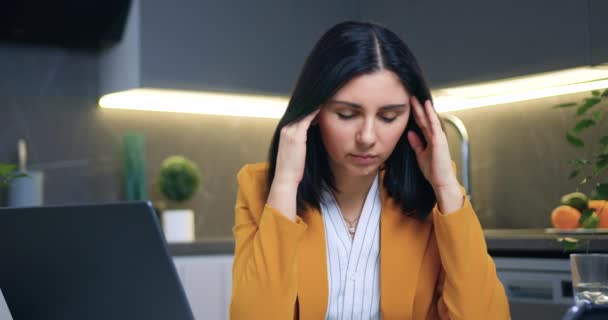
(345, 116)
(388, 119)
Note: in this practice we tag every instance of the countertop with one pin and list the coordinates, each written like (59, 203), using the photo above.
(538, 243)
(215, 246)
(501, 242)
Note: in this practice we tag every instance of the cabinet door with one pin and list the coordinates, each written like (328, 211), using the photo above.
(207, 282)
(232, 45)
(467, 41)
(536, 288)
(598, 25)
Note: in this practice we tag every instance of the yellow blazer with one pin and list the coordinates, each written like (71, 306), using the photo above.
(433, 269)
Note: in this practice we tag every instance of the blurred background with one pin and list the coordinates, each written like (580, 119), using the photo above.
(57, 61)
(519, 154)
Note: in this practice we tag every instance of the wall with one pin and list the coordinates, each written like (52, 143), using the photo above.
(51, 102)
(519, 157)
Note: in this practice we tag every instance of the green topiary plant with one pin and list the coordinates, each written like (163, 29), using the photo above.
(8, 172)
(179, 178)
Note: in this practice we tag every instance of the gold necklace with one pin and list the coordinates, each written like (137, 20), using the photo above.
(352, 225)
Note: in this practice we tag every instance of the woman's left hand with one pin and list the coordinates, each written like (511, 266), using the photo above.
(434, 158)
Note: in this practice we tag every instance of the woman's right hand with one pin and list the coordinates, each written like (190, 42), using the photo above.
(291, 155)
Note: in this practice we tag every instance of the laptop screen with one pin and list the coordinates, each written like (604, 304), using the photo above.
(103, 261)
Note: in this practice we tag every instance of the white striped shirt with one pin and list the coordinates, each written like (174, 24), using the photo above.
(353, 267)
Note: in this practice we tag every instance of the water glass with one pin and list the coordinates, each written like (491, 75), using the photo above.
(590, 278)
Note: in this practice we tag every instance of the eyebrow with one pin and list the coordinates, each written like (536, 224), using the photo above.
(357, 106)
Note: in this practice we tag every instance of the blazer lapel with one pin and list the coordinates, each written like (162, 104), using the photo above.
(403, 242)
(312, 268)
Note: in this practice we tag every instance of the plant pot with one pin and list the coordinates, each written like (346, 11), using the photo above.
(590, 277)
(178, 225)
(27, 191)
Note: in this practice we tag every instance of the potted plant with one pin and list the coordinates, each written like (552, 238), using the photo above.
(587, 206)
(586, 209)
(8, 172)
(179, 179)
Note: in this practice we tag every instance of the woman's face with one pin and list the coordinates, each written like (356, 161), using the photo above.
(361, 124)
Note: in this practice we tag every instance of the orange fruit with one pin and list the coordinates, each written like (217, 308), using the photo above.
(601, 209)
(565, 217)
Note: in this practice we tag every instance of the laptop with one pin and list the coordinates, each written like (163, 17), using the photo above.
(97, 261)
(4, 313)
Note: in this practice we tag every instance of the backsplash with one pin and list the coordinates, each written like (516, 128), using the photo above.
(52, 103)
(519, 157)
(518, 151)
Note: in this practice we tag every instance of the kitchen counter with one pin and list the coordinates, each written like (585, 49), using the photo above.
(501, 242)
(215, 246)
(537, 243)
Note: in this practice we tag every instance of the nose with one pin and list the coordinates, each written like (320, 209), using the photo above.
(366, 135)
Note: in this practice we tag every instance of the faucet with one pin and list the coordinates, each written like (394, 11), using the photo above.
(465, 148)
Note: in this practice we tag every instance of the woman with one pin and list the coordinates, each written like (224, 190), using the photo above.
(358, 213)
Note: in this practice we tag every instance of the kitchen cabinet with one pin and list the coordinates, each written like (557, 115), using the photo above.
(598, 28)
(232, 45)
(537, 289)
(260, 46)
(460, 42)
(207, 281)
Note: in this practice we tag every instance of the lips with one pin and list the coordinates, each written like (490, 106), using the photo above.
(363, 159)
(364, 156)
